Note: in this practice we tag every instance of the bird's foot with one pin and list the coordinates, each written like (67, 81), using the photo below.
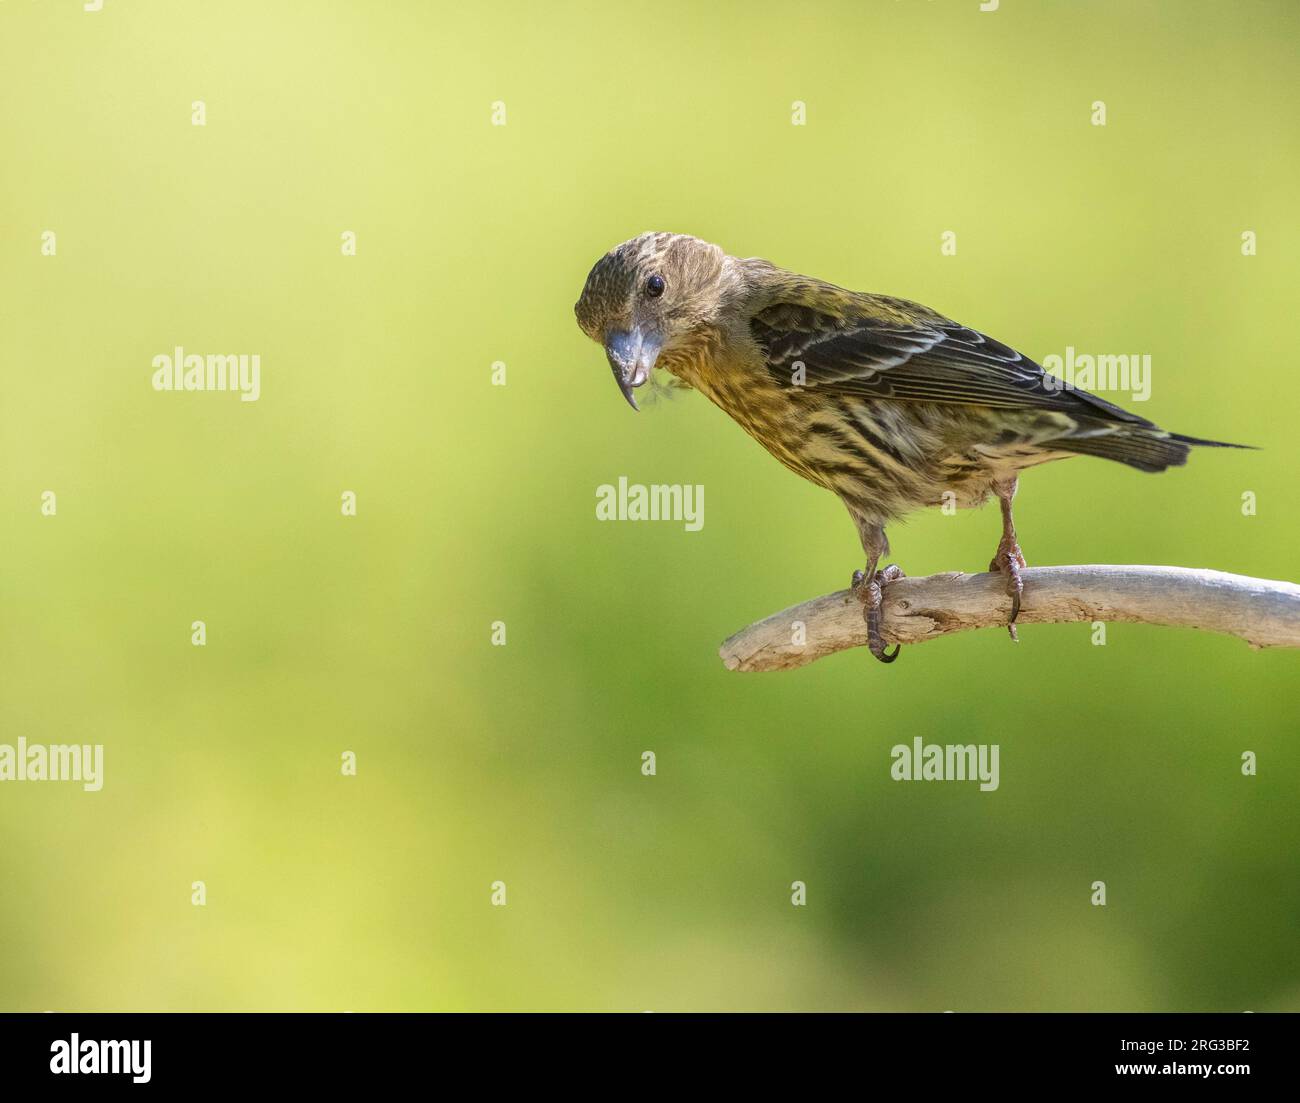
(1009, 561)
(869, 592)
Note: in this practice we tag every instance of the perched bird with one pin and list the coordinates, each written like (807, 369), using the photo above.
(882, 401)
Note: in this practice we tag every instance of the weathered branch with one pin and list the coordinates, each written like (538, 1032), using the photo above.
(1259, 611)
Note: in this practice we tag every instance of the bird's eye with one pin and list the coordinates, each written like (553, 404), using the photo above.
(654, 286)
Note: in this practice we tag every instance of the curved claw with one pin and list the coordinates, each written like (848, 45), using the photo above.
(885, 657)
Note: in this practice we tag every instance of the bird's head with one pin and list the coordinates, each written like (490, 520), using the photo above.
(650, 296)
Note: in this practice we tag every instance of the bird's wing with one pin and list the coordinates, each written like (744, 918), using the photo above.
(871, 346)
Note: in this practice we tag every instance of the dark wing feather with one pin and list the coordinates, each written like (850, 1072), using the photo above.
(875, 347)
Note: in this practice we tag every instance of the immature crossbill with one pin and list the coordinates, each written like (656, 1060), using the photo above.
(884, 402)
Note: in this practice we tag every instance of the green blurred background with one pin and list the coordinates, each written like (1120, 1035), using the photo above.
(476, 503)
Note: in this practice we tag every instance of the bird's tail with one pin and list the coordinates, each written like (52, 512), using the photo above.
(1146, 448)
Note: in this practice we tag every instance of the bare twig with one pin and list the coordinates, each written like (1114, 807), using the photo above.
(1259, 611)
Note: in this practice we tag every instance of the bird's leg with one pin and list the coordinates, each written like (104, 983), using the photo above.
(1008, 559)
(867, 585)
